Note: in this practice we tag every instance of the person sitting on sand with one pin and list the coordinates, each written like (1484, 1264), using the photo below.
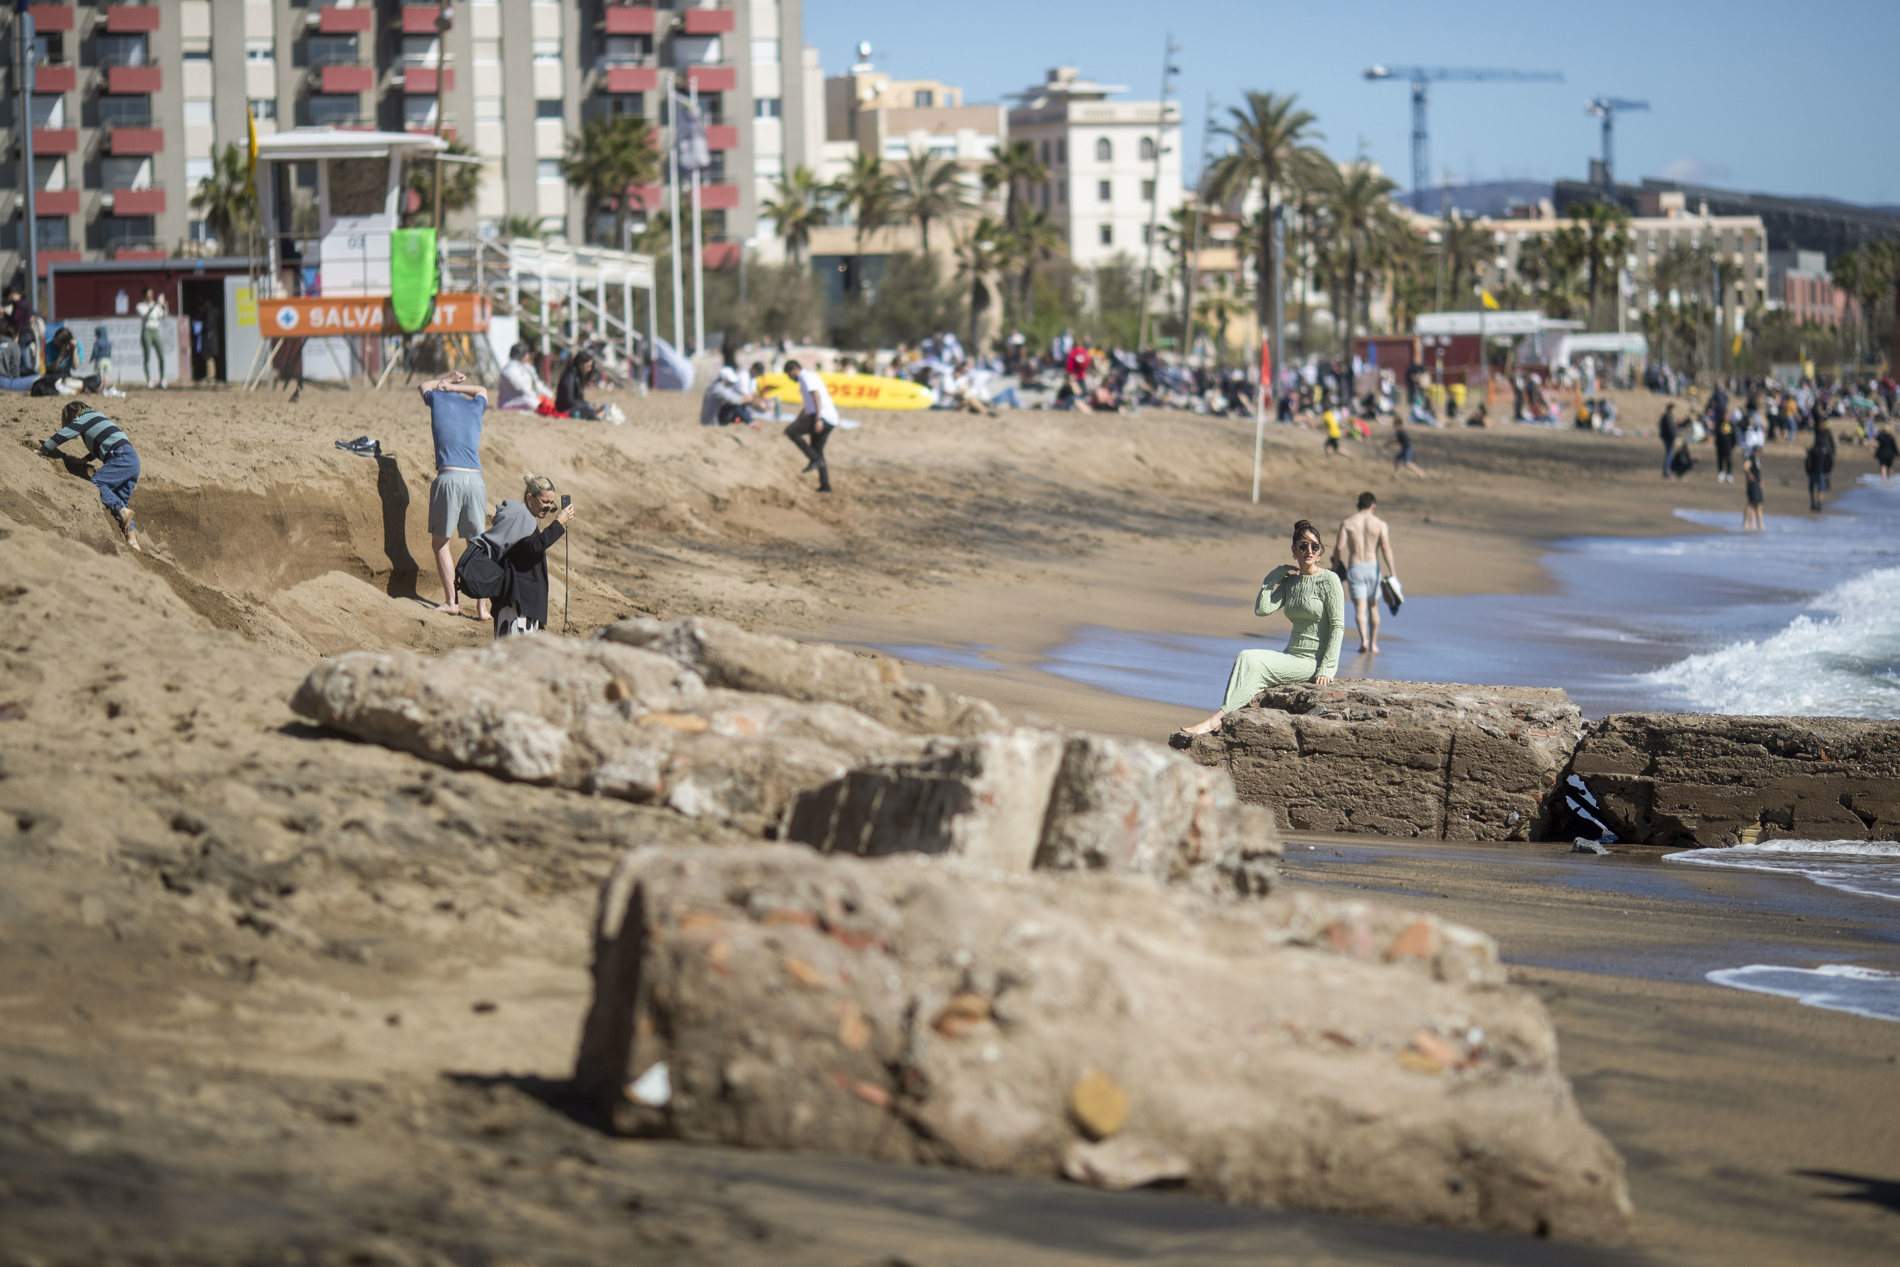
(521, 389)
(457, 495)
(1315, 604)
(570, 397)
(117, 476)
(513, 538)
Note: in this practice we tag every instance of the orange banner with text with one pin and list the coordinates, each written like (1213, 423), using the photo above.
(312, 317)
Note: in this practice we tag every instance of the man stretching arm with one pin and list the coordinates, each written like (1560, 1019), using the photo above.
(458, 499)
(1363, 545)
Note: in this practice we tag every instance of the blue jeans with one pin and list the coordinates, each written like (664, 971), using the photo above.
(1008, 398)
(116, 477)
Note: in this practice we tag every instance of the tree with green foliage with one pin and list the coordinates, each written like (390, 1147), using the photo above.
(1030, 245)
(1015, 169)
(1359, 205)
(1606, 241)
(1220, 307)
(868, 192)
(525, 227)
(461, 182)
(930, 188)
(1268, 135)
(796, 209)
(911, 302)
(1869, 273)
(981, 255)
(606, 159)
(226, 201)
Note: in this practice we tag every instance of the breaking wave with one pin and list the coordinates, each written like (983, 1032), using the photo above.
(1869, 868)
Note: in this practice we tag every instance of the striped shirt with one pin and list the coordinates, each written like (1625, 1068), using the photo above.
(101, 434)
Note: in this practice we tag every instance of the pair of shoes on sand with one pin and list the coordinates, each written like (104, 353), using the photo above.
(362, 446)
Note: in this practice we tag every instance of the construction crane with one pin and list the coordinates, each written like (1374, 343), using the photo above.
(1422, 76)
(1606, 109)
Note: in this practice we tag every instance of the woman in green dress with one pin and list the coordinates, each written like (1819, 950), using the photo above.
(1315, 603)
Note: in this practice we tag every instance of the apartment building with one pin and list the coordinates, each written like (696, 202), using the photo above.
(131, 101)
(895, 118)
(1105, 183)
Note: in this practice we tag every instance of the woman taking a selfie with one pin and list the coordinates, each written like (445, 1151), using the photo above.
(522, 548)
(1314, 602)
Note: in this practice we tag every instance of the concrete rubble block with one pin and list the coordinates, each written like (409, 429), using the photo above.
(1689, 779)
(1416, 759)
(1032, 798)
(596, 717)
(1296, 1051)
(727, 656)
(981, 799)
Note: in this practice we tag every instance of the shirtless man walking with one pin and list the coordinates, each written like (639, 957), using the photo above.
(1363, 544)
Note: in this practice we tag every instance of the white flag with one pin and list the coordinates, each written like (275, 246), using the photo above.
(694, 154)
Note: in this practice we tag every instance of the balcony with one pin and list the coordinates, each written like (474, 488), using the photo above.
(708, 21)
(718, 197)
(55, 140)
(420, 19)
(627, 19)
(138, 251)
(124, 142)
(712, 78)
(49, 18)
(716, 255)
(49, 258)
(722, 136)
(138, 202)
(56, 202)
(420, 81)
(347, 79)
(646, 197)
(132, 80)
(334, 19)
(630, 79)
(131, 19)
(55, 78)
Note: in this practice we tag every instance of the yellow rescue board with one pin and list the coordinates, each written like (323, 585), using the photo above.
(853, 391)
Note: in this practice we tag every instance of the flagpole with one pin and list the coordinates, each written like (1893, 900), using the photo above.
(699, 276)
(673, 183)
(1260, 411)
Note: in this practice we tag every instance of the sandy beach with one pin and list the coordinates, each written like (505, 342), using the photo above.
(272, 995)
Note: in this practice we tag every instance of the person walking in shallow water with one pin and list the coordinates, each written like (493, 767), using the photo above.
(1751, 508)
(1362, 547)
(1315, 604)
(1666, 432)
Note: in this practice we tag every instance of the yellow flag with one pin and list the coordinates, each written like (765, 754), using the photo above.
(1735, 346)
(250, 145)
(1488, 300)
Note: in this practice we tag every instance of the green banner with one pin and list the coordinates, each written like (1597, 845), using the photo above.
(412, 280)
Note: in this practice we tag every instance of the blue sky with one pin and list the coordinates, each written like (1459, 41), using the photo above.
(1769, 95)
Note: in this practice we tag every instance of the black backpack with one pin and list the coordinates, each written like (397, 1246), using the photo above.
(479, 574)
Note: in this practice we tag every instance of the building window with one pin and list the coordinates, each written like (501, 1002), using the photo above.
(198, 113)
(609, 105)
(196, 231)
(264, 108)
(765, 52)
(120, 50)
(548, 169)
(548, 51)
(1045, 153)
(197, 51)
(420, 50)
(197, 170)
(124, 231)
(1104, 191)
(1062, 151)
(771, 168)
(549, 108)
(1062, 191)
(48, 110)
(260, 50)
(329, 50)
(52, 233)
(1108, 235)
(1147, 149)
(1104, 151)
(923, 98)
(328, 110)
(1147, 191)
(627, 50)
(766, 107)
(418, 112)
(125, 112)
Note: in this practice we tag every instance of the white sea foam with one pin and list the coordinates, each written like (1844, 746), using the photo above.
(1838, 987)
(1868, 868)
(1840, 660)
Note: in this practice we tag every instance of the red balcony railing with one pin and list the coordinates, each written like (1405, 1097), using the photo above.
(631, 79)
(718, 197)
(55, 140)
(131, 19)
(646, 197)
(132, 80)
(712, 78)
(138, 202)
(55, 78)
(56, 202)
(130, 142)
(51, 18)
(629, 19)
(708, 21)
(348, 79)
(140, 252)
(720, 254)
(420, 19)
(722, 136)
(49, 258)
(420, 81)
(334, 19)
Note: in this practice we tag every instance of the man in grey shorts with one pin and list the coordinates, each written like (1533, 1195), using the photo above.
(458, 500)
(1365, 542)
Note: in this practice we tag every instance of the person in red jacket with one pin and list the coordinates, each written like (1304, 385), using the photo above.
(1077, 366)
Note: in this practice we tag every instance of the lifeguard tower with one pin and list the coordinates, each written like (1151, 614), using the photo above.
(343, 287)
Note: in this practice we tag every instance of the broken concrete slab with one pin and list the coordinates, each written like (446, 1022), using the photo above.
(1684, 780)
(1409, 759)
(1296, 1051)
(725, 655)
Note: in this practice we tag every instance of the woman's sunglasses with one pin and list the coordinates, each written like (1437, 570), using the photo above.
(1306, 547)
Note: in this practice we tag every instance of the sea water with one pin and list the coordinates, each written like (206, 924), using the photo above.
(1868, 868)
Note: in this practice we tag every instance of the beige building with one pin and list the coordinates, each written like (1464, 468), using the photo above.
(132, 100)
(1741, 240)
(895, 118)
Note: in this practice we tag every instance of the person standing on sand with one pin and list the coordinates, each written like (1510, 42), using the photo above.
(817, 418)
(1314, 602)
(522, 605)
(152, 313)
(117, 476)
(1363, 546)
(1751, 508)
(1402, 461)
(1723, 429)
(1331, 419)
(1666, 432)
(457, 495)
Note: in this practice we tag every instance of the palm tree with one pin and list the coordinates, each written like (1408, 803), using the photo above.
(1014, 170)
(1868, 273)
(981, 253)
(930, 189)
(461, 182)
(226, 200)
(797, 209)
(1464, 246)
(869, 193)
(1218, 308)
(1029, 245)
(524, 227)
(606, 159)
(1180, 236)
(1549, 266)
(1268, 136)
(1606, 241)
(1359, 203)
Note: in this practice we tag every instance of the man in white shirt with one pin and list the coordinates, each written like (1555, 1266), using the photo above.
(817, 417)
(522, 388)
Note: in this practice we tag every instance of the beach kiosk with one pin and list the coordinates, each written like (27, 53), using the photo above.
(342, 283)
